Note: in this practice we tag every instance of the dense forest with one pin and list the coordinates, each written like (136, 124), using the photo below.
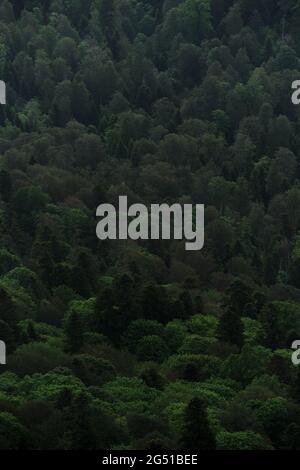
(143, 345)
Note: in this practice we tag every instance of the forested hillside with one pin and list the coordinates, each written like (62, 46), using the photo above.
(143, 345)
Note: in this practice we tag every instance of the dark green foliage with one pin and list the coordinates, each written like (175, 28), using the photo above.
(5, 185)
(168, 101)
(196, 434)
(82, 433)
(8, 323)
(73, 331)
(231, 328)
(108, 15)
(269, 318)
(152, 378)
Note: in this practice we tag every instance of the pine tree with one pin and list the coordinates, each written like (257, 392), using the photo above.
(197, 434)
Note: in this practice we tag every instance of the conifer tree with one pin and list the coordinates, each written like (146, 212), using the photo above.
(231, 328)
(197, 434)
(269, 319)
(9, 331)
(73, 331)
(78, 416)
(109, 24)
(5, 185)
